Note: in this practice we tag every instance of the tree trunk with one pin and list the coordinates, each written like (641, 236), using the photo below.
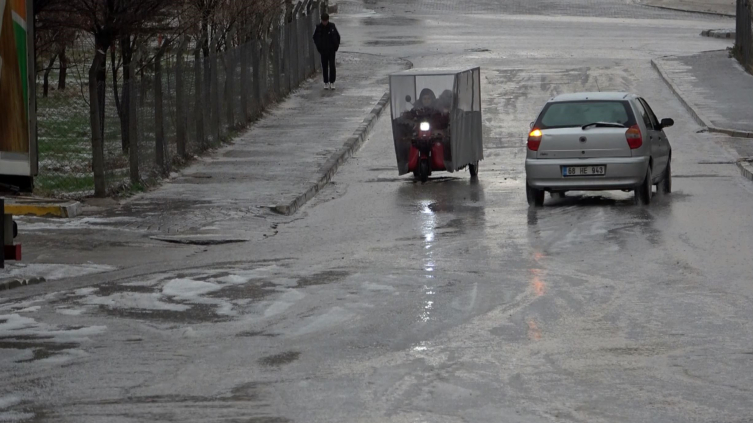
(199, 98)
(230, 92)
(115, 90)
(180, 102)
(46, 86)
(124, 107)
(205, 34)
(102, 94)
(159, 116)
(98, 155)
(129, 92)
(63, 75)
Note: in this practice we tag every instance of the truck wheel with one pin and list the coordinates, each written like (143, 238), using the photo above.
(535, 196)
(644, 191)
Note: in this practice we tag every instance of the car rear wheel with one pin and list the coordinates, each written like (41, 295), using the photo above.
(644, 191)
(535, 196)
(666, 184)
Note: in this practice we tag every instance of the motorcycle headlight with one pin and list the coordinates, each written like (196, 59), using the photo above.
(425, 126)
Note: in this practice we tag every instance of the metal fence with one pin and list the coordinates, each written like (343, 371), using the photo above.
(744, 33)
(180, 103)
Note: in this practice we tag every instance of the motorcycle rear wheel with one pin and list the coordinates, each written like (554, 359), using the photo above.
(473, 168)
(424, 170)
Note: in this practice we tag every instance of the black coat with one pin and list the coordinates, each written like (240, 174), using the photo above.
(327, 39)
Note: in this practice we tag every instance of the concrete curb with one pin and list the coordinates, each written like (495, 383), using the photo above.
(699, 118)
(42, 208)
(332, 165)
(679, 9)
(746, 168)
(719, 33)
(9, 284)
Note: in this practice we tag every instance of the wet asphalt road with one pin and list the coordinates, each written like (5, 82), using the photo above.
(452, 301)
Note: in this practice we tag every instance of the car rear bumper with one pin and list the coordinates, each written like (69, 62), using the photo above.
(621, 173)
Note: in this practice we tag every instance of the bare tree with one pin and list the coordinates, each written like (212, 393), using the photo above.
(107, 21)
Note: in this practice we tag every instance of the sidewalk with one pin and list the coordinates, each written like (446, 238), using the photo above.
(719, 95)
(240, 193)
(717, 7)
(272, 165)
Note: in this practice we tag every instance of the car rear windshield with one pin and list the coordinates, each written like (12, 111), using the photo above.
(569, 114)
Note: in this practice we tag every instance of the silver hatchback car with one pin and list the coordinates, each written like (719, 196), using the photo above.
(598, 142)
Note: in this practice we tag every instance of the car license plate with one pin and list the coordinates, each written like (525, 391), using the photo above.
(584, 171)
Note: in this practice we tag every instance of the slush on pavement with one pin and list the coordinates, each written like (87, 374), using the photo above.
(508, 211)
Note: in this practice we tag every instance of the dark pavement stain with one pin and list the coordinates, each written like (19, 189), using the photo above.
(254, 334)
(323, 278)
(278, 360)
(389, 20)
(107, 290)
(393, 43)
(636, 351)
(198, 313)
(254, 290)
(40, 349)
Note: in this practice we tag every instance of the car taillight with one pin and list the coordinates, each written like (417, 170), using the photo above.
(634, 137)
(534, 140)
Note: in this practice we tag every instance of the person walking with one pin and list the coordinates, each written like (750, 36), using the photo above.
(327, 41)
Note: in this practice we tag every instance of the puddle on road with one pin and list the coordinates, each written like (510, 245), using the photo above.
(323, 278)
(254, 334)
(37, 341)
(389, 21)
(393, 43)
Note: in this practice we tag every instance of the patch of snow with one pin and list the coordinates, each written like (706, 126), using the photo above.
(71, 311)
(64, 357)
(260, 272)
(33, 309)
(9, 401)
(149, 282)
(134, 300)
(14, 322)
(86, 223)
(335, 316)
(234, 280)
(284, 302)
(377, 287)
(10, 356)
(53, 272)
(189, 289)
(11, 416)
(11, 306)
(189, 333)
(85, 291)
(15, 325)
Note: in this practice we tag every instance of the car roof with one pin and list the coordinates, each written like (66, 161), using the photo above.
(593, 96)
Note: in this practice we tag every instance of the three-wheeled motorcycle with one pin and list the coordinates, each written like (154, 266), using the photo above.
(436, 121)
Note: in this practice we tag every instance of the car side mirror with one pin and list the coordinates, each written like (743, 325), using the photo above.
(666, 123)
(408, 99)
(532, 123)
